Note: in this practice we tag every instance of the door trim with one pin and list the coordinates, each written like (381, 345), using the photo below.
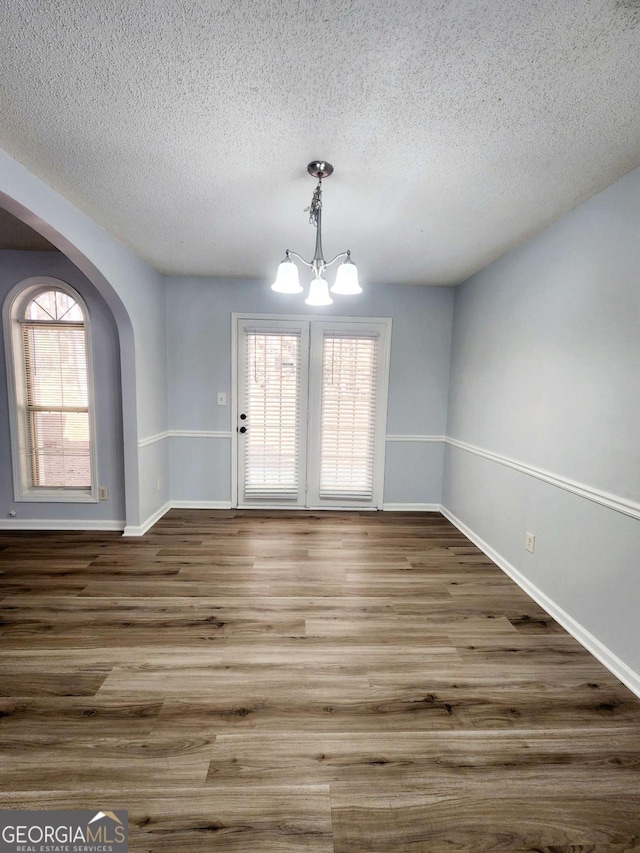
(279, 328)
(237, 316)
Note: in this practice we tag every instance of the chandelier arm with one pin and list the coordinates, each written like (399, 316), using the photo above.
(300, 258)
(339, 255)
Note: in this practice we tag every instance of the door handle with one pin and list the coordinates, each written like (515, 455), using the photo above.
(243, 417)
(242, 429)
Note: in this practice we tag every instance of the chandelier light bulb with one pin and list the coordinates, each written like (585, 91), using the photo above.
(318, 293)
(347, 283)
(287, 280)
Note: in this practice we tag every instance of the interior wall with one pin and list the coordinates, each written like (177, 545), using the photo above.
(199, 366)
(544, 416)
(134, 292)
(14, 268)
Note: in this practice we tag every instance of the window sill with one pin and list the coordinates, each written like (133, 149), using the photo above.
(57, 496)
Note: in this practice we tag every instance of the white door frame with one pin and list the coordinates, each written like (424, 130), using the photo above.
(300, 330)
(385, 323)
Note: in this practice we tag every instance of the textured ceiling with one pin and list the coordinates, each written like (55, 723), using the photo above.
(457, 128)
(14, 234)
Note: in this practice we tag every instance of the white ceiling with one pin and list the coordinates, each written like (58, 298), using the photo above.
(457, 128)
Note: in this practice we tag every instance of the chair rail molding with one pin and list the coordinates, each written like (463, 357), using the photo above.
(591, 493)
(429, 438)
(183, 433)
(153, 439)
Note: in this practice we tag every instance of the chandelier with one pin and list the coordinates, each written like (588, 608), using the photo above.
(346, 283)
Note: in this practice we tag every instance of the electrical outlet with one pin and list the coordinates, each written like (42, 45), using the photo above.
(529, 542)
(159, 484)
(103, 493)
(222, 398)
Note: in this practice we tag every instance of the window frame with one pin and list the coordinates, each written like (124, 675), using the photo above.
(14, 308)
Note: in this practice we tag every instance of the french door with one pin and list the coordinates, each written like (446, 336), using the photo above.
(311, 406)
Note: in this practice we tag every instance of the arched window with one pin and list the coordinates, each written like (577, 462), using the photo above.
(52, 421)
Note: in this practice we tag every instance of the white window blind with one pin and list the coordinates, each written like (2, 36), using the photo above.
(57, 404)
(348, 415)
(272, 451)
(56, 395)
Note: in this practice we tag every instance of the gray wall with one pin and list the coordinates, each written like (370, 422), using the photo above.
(199, 365)
(134, 293)
(545, 374)
(15, 267)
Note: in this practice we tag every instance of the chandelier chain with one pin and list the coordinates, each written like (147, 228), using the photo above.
(316, 205)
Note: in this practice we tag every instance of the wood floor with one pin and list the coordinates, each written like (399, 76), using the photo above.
(356, 683)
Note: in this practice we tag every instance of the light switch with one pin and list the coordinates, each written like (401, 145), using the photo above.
(222, 398)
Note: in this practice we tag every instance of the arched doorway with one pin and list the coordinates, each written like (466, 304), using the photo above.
(90, 255)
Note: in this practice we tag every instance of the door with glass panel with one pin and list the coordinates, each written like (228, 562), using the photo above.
(311, 408)
(272, 359)
(348, 412)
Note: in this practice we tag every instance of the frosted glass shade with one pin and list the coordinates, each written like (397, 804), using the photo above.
(318, 293)
(287, 280)
(347, 280)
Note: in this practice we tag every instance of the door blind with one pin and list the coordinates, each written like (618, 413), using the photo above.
(348, 415)
(272, 452)
(57, 401)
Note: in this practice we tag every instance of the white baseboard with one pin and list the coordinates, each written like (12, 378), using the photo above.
(391, 507)
(141, 529)
(411, 507)
(606, 657)
(60, 524)
(201, 505)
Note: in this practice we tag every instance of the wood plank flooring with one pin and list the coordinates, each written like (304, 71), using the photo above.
(339, 682)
